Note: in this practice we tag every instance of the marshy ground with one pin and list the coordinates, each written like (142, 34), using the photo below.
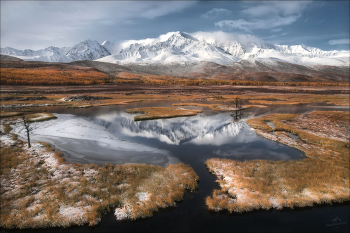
(323, 177)
(38, 189)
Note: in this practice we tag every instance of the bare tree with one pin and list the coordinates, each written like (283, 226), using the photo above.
(26, 124)
(237, 102)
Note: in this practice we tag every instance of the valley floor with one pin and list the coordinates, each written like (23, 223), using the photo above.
(38, 189)
(170, 89)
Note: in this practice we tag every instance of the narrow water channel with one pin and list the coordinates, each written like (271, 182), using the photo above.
(109, 135)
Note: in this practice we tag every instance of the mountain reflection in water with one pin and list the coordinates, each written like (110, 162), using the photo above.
(211, 136)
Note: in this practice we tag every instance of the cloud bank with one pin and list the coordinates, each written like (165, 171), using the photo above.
(266, 15)
(215, 12)
(340, 41)
(34, 23)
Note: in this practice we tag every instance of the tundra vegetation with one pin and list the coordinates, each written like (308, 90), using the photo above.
(10, 114)
(26, 102)
(22, 73)
(322, 177)
(162, 112)
(36, 117)
(221, 107)
(52, 76)
(39, 189)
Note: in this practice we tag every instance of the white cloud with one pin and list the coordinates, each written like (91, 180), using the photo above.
(340, 41)
(266, 15)
(215, 12)
(220, 36)
(210, 37)
(272, 8)
(36, 24)
(257, 23)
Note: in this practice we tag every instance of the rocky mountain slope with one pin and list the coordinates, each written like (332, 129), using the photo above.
(184, 48)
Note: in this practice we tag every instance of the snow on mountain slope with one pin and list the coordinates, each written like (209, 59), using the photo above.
(86, 50)
(50, 54)
(111, 47)
(184, 48)
(180, 47)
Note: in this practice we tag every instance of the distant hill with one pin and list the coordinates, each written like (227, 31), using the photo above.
(249, 70)
(243, 70)
(9, 58)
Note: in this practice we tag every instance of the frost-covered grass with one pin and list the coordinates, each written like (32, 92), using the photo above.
(39, 189)
(322, 177)
(151, 113)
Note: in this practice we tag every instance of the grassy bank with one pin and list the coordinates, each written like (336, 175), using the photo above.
(152, 113)
(12, 101)
(40, 117)
(323, 177)
(39, 189)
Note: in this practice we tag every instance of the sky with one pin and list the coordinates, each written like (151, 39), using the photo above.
(39, 24)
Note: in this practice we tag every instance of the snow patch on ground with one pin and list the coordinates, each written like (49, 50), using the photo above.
(71, 213)
(123, 213)
(143, 196)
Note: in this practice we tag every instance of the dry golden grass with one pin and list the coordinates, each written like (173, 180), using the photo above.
(10, 114)
(274, 102)
(147, 79)
(126, 98)
(216, 107)
(339, 103)
(323, 177)
(39, 189)
(80, 106)
(161, 112)
(302, 98)
(211, 106)
(255, 106)
(36, 117)
(52, 76)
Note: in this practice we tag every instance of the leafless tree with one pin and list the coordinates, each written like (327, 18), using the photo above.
(26, 124)
(237, 102)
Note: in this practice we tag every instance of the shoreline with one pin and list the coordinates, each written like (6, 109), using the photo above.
(239, 181)
(66, 195)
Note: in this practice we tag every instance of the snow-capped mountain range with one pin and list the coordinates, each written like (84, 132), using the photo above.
(180, 47)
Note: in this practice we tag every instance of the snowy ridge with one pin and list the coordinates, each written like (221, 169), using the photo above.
(86, 50)
(184, 48)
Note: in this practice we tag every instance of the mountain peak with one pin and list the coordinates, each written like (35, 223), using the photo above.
(183, 47)
(182, 35)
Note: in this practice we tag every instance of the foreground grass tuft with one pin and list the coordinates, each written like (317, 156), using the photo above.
(323, 177)
(39, 189)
